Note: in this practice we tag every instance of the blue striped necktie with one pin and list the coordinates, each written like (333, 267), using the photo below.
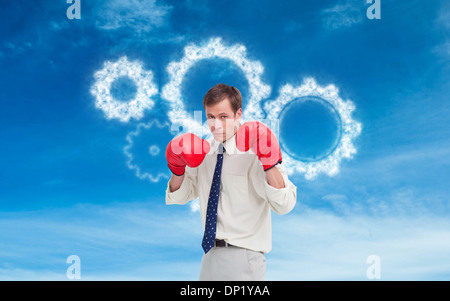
(211, 212)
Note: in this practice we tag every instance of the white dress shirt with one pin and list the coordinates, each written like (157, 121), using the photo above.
(245, 199)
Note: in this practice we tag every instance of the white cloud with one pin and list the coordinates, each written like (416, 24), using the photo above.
(343, 14)
(135, 15)
(152, 241)
(18, 274)
(443, 18)
(408, 231)
(315, 245)
(442, 49)
(12, 49)
(195, 205)
(129, 241)
(442, 24)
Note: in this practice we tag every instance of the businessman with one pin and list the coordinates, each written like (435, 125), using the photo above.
(239, 177)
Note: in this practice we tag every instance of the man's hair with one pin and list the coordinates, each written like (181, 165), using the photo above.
(221, 91)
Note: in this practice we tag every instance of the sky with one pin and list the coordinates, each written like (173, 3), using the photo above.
(89, 105)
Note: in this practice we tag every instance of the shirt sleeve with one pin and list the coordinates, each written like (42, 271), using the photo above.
(281, 200)
(188, 190)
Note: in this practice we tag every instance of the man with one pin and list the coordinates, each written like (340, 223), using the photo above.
(238, 177)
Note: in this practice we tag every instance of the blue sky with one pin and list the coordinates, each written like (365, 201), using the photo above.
(76, 182)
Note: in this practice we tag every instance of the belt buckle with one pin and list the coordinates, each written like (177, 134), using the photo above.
(221, 241)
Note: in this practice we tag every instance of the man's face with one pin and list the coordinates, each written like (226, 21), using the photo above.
(222, 121)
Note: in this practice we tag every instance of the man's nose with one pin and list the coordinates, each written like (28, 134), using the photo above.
(217, 124)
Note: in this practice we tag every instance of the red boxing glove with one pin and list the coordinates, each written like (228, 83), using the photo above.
(259, 138)
(186, 149)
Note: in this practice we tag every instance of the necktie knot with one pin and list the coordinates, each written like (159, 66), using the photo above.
(221, 148)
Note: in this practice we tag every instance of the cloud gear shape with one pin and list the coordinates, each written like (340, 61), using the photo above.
(118, 109)
(349, 129)
(214, 48)
(154, 150)
(258, 91)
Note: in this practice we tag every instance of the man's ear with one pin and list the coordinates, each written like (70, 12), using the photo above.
(238, 117)
(239, 114)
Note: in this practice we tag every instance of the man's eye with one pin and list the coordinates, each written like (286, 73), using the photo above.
(224, 116)
(210, 117)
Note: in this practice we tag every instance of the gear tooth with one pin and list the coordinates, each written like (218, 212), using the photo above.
(331, 91)
(241, 50)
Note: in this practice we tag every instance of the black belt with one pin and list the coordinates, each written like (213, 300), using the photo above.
(221, 243)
